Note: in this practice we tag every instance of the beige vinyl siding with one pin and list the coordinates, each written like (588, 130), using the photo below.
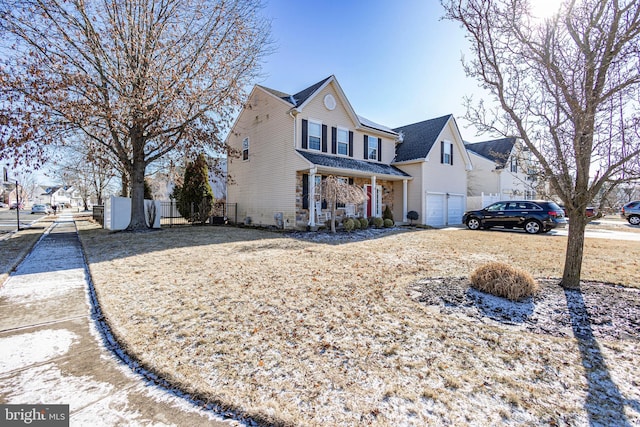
(483, 178)
(414, 190)
(339, 117)
(266, 182)
(445, 178)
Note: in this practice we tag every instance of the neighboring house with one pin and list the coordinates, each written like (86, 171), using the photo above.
(61, 195)
(502, 169)
(433, 153)
(288, 143)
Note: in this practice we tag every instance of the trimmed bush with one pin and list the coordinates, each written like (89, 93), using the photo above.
(356, 224)
(387, 214)
(502, 280)
(412, 216)
(348, 225)
(388, 223)
(378, 222)
(364, 223)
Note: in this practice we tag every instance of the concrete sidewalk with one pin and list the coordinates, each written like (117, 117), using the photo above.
(52, 353)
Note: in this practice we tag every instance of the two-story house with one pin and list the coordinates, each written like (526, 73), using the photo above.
(502, 169)
(287, 143)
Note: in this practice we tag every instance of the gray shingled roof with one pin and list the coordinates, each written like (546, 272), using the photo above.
(418, 138)
(496, 150)
(299, 98)
(352, 164)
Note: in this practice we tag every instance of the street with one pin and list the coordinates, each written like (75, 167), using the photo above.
(8, 219)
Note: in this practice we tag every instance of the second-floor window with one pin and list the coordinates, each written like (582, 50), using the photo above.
(343, 142)
(514, 164)
(372, 152)
(446, 156)
(315, 136)
(245, 149)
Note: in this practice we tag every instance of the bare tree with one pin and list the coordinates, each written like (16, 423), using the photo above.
(335, 190)
(568, 86)
(140, 78)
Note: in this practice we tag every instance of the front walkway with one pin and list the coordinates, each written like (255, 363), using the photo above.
(52, 353)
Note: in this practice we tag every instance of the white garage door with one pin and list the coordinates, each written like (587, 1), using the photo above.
(456, 209)
(435, 210)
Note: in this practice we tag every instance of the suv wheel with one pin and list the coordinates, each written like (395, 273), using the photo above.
(634, 220)
(532, 227)
(473, 224)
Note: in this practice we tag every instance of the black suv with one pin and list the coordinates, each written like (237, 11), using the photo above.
(535, 216)
(631, 212)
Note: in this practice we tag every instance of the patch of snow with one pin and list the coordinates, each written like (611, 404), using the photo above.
(41, 286)
(19, 351)
(368, 123)
(48, 384)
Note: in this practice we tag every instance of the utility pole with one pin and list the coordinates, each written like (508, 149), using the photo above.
(6, 179)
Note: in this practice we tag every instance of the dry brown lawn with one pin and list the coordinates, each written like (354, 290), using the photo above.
(295, 332)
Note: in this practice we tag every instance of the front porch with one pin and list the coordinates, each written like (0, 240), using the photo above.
(313, 211)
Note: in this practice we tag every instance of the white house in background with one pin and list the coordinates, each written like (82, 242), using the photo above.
(61, 195)
(433, 153)
(501, 170)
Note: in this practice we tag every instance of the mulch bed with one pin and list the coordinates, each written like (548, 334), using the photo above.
(597, 310)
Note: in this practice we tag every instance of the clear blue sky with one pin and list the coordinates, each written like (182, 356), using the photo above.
(397, 61)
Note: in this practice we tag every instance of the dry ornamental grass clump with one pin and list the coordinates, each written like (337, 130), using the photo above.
(504, 281)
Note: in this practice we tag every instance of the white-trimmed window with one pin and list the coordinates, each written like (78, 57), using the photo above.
(245, 149)
(514, 164)
(343, 142)
(447, 153)
(315, 136)
(372, 152)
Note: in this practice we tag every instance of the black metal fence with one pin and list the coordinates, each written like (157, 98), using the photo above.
(98, 214)
(221, 213)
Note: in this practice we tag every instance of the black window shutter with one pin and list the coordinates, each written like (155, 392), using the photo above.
(451, 155)
(305, 132)
(441, 151)
(324, 201)
(379, 149)
(324, 138)
(350, 144)
(334, 140)
(305, 191)
(350, 181)
(366, 147)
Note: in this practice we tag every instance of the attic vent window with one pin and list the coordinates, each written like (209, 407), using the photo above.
(330, 102)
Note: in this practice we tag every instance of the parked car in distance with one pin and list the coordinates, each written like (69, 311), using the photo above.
(631, 212)
(14, 205)
(534, 216)
(3, 205)
(39, 209)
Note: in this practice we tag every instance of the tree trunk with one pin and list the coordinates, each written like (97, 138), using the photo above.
(138, 220)
(575, 251)
(125, 185)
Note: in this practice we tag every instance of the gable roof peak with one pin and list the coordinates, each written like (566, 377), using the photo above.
(299, 98)
(496, 150)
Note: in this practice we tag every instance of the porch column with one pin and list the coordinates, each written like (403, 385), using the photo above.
(312, 197)
(374, 202)
(404, 200)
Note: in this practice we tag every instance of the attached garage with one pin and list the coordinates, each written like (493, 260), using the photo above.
(444, 209)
